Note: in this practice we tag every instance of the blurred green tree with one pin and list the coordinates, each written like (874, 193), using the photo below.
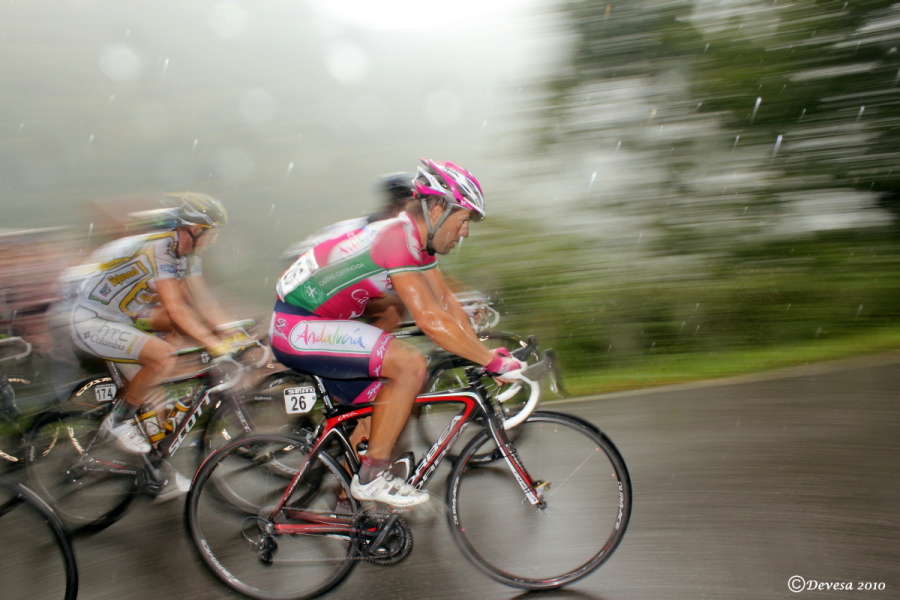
(808, 89)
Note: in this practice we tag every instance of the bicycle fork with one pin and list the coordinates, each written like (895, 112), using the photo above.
(533, 489)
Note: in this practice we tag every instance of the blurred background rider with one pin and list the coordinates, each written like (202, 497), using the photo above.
(140, 295)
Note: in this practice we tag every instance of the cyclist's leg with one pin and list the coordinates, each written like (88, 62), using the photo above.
(157, 360)
(353, 350)
(404, 371)
(123, 342)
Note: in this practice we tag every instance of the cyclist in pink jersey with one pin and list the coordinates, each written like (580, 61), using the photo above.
(314, 327)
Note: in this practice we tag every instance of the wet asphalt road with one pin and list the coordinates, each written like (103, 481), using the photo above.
(738, 486)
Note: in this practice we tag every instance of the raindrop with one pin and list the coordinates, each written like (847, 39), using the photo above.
(194, 147)
(165, 67)
(736, 140)
(272, 210)
(818, 331)
(755, 108)
(21, 126)
(120, 63)
(803, 112)
(347, 63)
(288, 174)
(593, 178)
(705, 49)
(777, 145)
(91, 139)
(859, 311)
(788, 307)
(862, 109)
(618, 145)
(112, 98)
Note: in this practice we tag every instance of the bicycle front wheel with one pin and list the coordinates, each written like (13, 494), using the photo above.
(252, 551)
(586, 493)
(81, 472)
(33, 538)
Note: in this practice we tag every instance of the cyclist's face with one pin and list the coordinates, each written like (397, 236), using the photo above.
(454, 229)
(189, 239)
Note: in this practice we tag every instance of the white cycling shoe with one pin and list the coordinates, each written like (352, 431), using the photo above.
(388, 489)
(175, 487)
(128, 435)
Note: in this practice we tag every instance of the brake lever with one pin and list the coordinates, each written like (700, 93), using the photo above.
(527, 350)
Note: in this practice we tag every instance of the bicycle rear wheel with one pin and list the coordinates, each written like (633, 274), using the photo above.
(587, 498)
(32, 537)
(243, 547)
(87, 480)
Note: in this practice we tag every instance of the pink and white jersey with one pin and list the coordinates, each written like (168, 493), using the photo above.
(337, 278)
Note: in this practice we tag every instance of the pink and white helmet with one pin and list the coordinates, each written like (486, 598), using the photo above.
(453, 183)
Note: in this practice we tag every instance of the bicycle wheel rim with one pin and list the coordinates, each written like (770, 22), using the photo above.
(83, 475)
(23, 546)
(587, 512)
(229, 537)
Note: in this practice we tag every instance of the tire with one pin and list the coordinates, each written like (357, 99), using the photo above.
(39, 542)
(233, 542)
(263, 412)
(447, 372)
(586, 511)
(80, 471)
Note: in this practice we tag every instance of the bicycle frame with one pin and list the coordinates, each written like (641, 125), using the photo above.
(474, 404)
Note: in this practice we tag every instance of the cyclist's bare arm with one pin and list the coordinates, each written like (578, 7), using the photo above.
(182, 315)
(447, 299)
(444, 327)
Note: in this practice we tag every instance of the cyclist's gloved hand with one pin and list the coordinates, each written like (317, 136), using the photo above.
(220, 349)
(503, 363)
(237, 340)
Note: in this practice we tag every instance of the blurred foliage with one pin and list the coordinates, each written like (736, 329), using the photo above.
(743, 123)
(813, 83)
(599, 315)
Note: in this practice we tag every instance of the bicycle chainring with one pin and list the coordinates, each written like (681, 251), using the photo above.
(396, 546)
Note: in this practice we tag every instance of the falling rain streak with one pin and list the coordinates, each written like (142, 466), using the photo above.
(755, 109)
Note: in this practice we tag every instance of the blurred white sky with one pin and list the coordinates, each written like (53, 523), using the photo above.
(286, 109)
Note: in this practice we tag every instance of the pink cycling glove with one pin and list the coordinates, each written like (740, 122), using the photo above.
(503, 362)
